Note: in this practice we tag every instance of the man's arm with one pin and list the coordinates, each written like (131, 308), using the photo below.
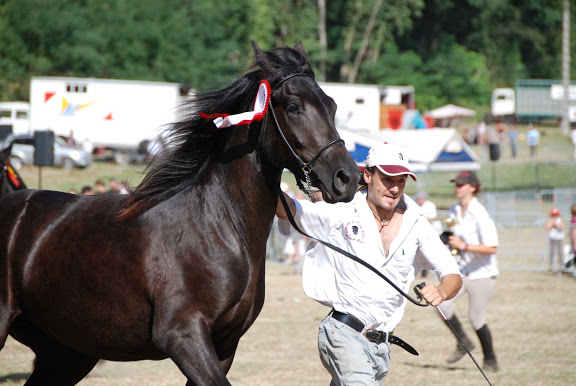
(280, 212)
(447, 289)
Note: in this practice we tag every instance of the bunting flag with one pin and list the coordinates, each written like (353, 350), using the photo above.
(260, 106)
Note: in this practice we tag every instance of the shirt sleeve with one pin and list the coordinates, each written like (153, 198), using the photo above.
(487, 229)
(314, 219)
(435, 253)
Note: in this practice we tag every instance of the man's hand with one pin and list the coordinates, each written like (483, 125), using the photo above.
(447, 289)
(432, 295)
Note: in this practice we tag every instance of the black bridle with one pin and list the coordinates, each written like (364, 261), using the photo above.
(306, 167)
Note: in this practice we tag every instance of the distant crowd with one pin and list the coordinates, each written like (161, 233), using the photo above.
(100, 187)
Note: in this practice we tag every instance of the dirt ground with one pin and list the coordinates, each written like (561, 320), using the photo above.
(532, 318)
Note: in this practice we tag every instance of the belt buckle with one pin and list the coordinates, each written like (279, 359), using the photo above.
(375, 336)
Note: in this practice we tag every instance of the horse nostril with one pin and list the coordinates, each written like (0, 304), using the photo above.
(343, 176)
(342, 182)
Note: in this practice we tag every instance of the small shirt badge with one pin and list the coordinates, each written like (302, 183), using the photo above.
(353, 230)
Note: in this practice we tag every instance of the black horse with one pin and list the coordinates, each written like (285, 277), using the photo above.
(10, 180)
(176, 268)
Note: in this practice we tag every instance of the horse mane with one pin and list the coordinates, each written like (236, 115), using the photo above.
(192, 141)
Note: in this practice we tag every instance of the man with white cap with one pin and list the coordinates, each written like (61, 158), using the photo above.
(385, 228)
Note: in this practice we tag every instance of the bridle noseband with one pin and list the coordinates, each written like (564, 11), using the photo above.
(306, 167)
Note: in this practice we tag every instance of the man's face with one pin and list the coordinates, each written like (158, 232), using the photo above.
(385, 191)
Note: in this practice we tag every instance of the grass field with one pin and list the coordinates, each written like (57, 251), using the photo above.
(531, 317)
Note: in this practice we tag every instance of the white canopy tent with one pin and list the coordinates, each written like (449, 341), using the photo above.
(448, 115)
(450, 111)
(427, 150)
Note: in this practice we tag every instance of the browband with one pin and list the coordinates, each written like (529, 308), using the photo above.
(286, 77)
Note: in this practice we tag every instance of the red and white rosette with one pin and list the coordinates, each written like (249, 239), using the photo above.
(260, 106)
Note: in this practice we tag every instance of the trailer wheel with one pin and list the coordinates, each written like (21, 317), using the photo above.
(122, 157)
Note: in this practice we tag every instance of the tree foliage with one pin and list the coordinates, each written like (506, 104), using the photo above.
(451, 51)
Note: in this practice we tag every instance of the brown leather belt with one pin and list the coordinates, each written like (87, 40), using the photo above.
(372, 335)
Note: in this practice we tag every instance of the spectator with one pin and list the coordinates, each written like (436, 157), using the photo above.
(513, 140)
(572, 261)
(87, 190)
(100, 187)
(116, 187)
(70, 140)
(555, 232)
(476, 238)
(533, 139)
(428, 209)
(481, 133)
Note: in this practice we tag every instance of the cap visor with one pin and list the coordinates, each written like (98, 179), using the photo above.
(396, 170)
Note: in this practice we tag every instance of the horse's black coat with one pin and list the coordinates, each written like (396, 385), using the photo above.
(176, 268)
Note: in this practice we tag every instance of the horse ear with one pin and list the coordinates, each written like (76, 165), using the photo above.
(257, 51)
(299, 47)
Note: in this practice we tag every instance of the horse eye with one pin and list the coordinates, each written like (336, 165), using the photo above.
(293, 109)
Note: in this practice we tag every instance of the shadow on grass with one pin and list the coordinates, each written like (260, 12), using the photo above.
(437, 367)
(16, 377)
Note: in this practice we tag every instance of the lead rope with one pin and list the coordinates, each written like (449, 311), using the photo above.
(365, 264)
(351, 256)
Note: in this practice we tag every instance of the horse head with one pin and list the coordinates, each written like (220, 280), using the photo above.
(306, 140)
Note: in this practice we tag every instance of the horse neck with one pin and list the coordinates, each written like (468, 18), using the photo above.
(249, 183)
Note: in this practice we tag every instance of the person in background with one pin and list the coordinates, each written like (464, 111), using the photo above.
(100, 187)
(513, 140)
(572, 262)
(87, 190)
(555, 233)
(476, 238)
(533, 139)
(116, 187)
(429, 211)
(385, 227)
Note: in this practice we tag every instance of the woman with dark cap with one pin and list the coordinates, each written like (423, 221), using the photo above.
(476, 239)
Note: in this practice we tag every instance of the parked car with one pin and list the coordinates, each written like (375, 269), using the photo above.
(65, 156)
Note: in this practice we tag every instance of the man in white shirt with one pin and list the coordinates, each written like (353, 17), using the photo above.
(386, 229)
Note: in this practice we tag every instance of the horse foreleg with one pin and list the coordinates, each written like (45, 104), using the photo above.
(226, 364)
(190, 347)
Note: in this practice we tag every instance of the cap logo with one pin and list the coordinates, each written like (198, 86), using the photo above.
(401, 156)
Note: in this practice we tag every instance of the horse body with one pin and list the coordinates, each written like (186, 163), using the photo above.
(178, 272)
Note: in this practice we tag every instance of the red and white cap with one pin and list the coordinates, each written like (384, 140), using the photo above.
(390, 160)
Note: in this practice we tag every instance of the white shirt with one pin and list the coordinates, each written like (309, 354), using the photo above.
(476, 227)
(339, 282)
(556, 233)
